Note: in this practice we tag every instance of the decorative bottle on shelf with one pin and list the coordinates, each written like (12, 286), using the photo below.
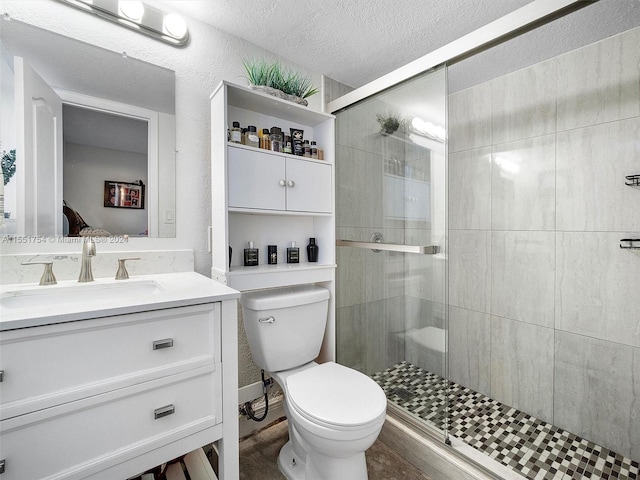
(250, 256)
(312, 250)
(293, 253)
(265, 143)
(272, 254)
(236, 133)
(253, 139)
(275, 136)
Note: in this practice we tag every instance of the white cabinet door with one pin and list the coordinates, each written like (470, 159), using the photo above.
(254, 180)
(308, 186)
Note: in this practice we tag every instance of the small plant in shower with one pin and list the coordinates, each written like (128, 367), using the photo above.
(8, 165)
(390, 123)
(279, 81)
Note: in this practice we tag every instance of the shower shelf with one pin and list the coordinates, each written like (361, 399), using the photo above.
(631, 244)
(632, 181)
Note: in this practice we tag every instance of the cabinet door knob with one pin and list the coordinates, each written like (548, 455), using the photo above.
(164, 411)
(291, 183)
(283, 183)
(164, 343)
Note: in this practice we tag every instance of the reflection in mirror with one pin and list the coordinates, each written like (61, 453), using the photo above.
(103, 117)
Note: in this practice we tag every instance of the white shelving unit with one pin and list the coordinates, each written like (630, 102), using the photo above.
(271, 198)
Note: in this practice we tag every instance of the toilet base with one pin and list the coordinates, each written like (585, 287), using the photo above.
(290, 466)
(352, 468)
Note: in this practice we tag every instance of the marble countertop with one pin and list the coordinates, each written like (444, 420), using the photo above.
(30, 305)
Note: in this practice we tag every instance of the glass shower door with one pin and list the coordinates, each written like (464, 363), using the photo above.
(390, 225)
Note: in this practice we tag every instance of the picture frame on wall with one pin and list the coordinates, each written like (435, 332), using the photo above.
(124, 194)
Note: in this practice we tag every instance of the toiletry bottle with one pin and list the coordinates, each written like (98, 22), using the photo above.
(250, 256)
(272, 254)
(252, 136)
(286, 144)
(307, 149)
(312, 250)
(236, 133)
(293, 253)
(243, 138)
(264, 139)
(297, 141)
(314, 150)
(276, 139)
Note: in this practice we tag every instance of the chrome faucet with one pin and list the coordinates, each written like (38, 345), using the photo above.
(88, 252)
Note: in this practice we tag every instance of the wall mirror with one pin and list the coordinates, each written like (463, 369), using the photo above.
(94, 135)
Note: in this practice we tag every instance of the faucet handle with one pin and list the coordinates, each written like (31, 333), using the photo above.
(122, 273)
(48, 278)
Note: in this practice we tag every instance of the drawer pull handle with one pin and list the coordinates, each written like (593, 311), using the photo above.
(1, 375)
(164, 411)
(165, 343)
(2, 464)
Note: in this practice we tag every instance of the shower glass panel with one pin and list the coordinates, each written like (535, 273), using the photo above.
(390, 194)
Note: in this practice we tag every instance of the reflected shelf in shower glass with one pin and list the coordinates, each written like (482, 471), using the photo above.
(630, 243)
(632, 181)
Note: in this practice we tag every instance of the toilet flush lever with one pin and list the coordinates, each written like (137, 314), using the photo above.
(267, 320)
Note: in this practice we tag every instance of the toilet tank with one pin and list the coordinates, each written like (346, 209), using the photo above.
(285, 326)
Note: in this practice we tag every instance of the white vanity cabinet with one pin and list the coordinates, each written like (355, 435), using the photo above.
(111, 396)
(264, 180)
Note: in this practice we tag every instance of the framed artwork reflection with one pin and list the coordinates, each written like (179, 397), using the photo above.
(124, 194)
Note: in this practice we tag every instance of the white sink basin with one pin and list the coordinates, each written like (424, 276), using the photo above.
(55, 295)
(31, 305)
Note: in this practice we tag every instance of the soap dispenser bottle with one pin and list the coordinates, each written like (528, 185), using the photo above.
(312, 250)
(250, 256)
(293, 253)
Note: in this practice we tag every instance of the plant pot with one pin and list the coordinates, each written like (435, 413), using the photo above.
(280, 94)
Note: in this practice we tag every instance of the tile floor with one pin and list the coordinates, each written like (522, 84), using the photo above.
(531, 447)
(259, 454)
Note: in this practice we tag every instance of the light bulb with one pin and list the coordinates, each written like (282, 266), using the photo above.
(131, 9)
(174, 25)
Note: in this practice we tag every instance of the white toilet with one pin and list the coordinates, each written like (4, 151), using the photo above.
(335, 413)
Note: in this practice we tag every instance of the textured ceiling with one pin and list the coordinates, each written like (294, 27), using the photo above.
(357, 41)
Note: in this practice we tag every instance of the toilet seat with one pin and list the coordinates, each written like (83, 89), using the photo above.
(336, 397)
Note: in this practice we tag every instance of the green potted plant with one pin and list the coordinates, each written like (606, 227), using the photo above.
(8, 165)
(8, 170)
(390, 123)
(279, 81)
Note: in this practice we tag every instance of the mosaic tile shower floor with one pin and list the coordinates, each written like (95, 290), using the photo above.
(533, 448)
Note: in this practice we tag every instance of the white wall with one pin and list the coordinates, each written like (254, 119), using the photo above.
(85, 171)
(211, 56)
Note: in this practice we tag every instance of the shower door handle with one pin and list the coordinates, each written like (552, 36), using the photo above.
(390, 247)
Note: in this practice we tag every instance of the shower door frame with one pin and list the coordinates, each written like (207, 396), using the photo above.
(529, 17)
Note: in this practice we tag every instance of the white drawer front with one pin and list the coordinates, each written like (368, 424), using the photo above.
(76, 444)
(46, 366)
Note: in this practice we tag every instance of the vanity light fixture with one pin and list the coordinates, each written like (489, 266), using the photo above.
(139, 16)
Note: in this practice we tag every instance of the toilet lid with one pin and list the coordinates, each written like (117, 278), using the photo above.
(336, 395)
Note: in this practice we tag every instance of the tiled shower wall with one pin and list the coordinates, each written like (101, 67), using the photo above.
(544, 305)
